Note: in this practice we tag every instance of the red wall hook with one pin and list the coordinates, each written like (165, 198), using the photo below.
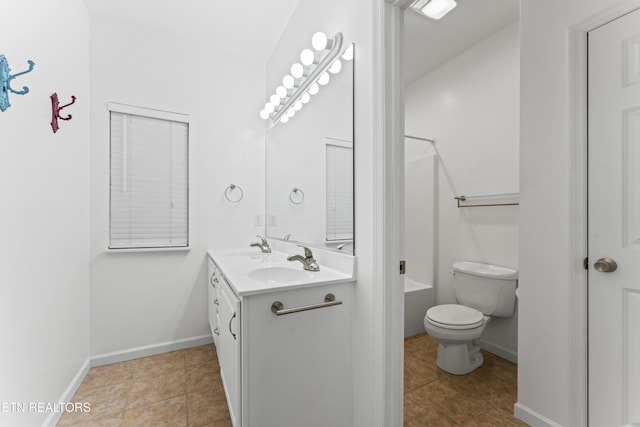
(55, 111)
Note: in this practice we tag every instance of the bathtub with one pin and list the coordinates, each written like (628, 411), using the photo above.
(418, 297)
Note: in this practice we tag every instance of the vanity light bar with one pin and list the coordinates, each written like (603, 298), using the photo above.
(305, 78)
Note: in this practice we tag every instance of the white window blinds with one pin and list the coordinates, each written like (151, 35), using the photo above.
(149, 197)
(339, 191)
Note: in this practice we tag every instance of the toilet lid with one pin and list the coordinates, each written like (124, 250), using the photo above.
(455, 316)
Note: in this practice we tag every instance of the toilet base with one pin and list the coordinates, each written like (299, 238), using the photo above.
(459, 358)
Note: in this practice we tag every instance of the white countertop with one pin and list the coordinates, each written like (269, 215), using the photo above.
(239, 265)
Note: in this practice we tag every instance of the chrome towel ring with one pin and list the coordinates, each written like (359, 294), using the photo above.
(296, 196)
(229, 193)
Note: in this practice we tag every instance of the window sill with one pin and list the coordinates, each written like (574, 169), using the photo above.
(139, 250)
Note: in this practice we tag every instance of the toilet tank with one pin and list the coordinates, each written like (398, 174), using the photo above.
(488, 288)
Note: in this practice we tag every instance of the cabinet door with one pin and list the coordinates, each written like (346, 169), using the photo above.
(229, 353)
(299, 365)
(213, 302)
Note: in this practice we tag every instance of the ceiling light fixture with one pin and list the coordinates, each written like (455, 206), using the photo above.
(305, 77)
(434, 9)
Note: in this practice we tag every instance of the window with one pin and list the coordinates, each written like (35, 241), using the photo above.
(149, 179)
(339, 190)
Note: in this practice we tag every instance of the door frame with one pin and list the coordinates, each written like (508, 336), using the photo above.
(578, 96)
(578, 280)
(389, 198)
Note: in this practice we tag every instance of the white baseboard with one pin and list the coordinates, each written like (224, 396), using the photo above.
(149, 350)
(501, 351)
(120, 356)
(54, 417)
(531, 417)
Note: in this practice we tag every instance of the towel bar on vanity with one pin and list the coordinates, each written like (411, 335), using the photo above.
(278, 309)
(507, 199)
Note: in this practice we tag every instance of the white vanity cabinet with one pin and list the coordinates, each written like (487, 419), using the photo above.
(287, 370)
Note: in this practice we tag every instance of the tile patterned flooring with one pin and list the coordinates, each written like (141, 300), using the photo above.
(183, 388)
(433, 397)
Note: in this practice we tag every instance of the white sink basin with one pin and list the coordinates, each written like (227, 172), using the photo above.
(251, 272)
(273, 273)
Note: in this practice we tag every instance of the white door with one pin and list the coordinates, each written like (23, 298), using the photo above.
(614, 223)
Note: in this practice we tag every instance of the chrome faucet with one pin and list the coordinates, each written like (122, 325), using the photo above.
(343, 245)
(264, 245)
(308, 262)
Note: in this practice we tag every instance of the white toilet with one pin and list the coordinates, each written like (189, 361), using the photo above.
(482, 290)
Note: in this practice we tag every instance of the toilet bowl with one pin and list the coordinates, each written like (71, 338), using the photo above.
(458, 330)
(482, 290)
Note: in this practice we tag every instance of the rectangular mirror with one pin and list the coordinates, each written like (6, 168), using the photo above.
(309, 168)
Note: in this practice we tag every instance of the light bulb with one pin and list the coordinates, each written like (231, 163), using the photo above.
(269, 108)
(263, 114)
(297, 70)
(324, 79)
(305, 98)
(297, 106)
(281, 91)
(291, 112)
(314, 88)
(319, 41)
(307, 57)
(288, 81)
(348, 53)
(284, 119)
(335, 67)
(275, 100)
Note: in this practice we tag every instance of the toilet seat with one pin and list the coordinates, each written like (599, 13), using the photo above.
(454, 316)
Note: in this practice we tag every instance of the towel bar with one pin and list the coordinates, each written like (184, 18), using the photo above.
(278, 309)
(510, 199)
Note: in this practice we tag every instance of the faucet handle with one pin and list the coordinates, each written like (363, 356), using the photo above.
(307, 251)
(263, 239)
(307, 261)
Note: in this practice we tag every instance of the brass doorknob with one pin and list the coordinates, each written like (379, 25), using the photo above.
(605, 265)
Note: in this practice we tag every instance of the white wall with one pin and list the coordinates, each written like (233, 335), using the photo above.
(420, 182)
(44, 274)
(471, 106)
(544, 381)
(354, 19)
(145, 299)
